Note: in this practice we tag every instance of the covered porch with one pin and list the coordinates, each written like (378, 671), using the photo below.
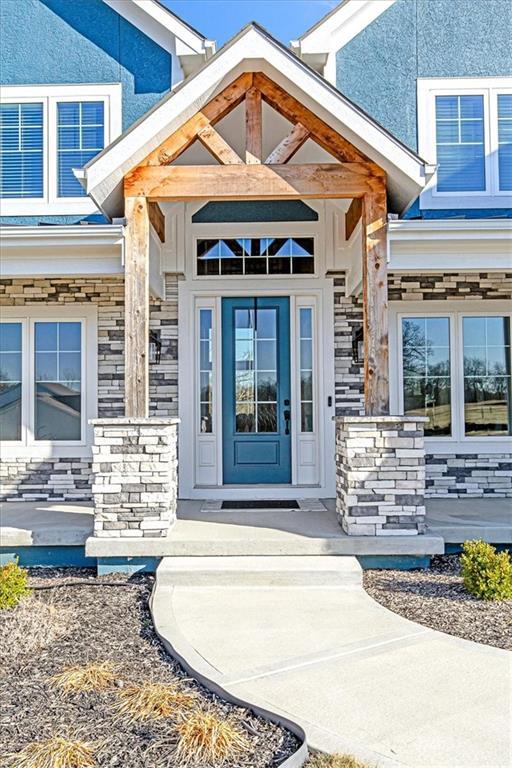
(30, 529)
(257, 128)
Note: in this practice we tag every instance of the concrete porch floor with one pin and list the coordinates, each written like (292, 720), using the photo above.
(260, 532)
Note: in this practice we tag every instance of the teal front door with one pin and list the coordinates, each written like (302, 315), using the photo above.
(256, 390)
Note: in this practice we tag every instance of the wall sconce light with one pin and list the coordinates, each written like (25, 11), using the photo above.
(357, 344)
(155, 347)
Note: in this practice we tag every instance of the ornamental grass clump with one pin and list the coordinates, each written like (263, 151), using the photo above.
(487, 574)
(56, 752)
(13, 585)
(335, 761)
(151, 701)
(206, 739)
(92, 677)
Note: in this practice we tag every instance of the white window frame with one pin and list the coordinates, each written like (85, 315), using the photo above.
(458, 442)
(50, 95)
(489, 88)
(28, 316)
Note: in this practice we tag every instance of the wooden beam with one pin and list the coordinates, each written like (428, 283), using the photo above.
(286, 149)
(253, 126)
(157, 219)
(375, 305)
(254, 182)
(295, 112)
(136, 308)
(210, 114)
(218, 147)
(352, 216)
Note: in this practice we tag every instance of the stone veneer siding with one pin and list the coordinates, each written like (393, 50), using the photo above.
(446, 474)
(380, 475)
(348, 376)
(68, 478)
(135, 477)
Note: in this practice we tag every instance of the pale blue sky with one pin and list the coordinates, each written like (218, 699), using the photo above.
(219, 20)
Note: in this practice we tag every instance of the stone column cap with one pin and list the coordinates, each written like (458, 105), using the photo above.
(124, 421)
(381, 419)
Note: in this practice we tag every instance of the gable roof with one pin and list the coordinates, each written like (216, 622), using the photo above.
(319, 44)
(340, 25)
(253, 50)
(163, 26)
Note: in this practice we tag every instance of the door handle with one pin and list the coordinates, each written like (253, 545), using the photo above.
(287, 415)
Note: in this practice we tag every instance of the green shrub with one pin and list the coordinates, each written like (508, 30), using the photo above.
(13, 585)
(487, 574)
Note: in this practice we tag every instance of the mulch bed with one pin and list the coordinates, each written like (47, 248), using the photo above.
(106, 623)
(437, 598)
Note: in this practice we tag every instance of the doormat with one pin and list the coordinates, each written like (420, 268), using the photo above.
(262, 504)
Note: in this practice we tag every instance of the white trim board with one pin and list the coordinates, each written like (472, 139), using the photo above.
(445, 245)
(254, 50)
(160, 24)
(319, 44)
(58, 251)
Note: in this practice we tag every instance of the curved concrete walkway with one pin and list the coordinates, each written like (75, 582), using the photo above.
(357, 677)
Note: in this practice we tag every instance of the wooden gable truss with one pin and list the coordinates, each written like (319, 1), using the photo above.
(352, 175)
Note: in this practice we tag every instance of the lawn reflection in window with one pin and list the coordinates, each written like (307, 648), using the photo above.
(487, 382)
(58, 401)
(256, 370)
(10, 381)
(426, 372)
(256, 256)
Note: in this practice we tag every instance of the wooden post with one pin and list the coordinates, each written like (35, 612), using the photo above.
(253, 126)
(375, 305)
(136, 308)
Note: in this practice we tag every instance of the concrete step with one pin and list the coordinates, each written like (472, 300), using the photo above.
(282, 571)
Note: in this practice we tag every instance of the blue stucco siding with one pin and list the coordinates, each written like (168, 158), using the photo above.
(422, 38)
(81, 41)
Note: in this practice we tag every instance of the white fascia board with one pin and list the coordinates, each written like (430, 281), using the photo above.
(450, 246)
(57, 251)
(340, 26)
(162, 26)
(253, 51)
(59, 235)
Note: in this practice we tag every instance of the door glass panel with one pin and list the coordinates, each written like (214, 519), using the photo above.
(10, 381)
(205, 370)
(426, 372)
(487, 376)
(255, 370)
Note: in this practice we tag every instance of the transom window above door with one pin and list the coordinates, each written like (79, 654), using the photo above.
(256, 256)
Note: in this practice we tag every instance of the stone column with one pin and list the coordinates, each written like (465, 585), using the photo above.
(134, 476)
(380, 475)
